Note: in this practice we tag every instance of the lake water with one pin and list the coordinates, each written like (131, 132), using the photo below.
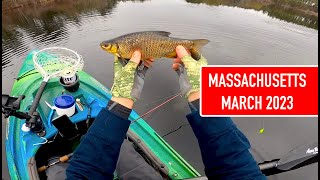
(238, 36)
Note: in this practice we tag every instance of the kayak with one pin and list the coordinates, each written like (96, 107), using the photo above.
(26, 151)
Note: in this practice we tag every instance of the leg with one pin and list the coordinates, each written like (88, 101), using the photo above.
(131, 165)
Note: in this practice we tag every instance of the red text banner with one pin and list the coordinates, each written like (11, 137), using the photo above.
(266, 91)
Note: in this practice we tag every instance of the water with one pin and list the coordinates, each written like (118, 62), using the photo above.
(237, 35)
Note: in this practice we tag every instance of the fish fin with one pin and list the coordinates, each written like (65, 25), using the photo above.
(163, 33)
(198, 43)
(195, 54)
(172, 54)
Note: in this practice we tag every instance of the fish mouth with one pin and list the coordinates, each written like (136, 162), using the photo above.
(102, 45)
(103, 48)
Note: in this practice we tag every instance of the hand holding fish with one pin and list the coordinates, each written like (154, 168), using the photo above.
(188, 70)
(153, 45)
(128, 78)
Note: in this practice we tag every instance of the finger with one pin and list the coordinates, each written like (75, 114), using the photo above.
(117, 66)
(142, 70)
(148, 63)
(177, 60)
(175, 66)
(181, 51)
(136, 57)
(123, 61)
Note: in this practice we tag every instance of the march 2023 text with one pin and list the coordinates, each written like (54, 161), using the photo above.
(259, 91)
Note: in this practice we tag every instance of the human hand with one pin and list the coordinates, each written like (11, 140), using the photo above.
(188, 70)
(128, 80)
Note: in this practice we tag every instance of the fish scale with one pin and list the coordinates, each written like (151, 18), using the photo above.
(151, 44)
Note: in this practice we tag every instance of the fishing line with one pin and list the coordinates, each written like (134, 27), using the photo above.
(175, 130)
(157, 107)
(172, 97)
(166, 97)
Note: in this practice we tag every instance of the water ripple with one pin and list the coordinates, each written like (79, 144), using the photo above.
(237, 35)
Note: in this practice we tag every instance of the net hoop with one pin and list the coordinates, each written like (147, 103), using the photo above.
(52, 61)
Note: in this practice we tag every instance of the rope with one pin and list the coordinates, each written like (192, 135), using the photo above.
(157, 107)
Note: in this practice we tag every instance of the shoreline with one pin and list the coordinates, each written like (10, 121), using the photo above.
(302, 12)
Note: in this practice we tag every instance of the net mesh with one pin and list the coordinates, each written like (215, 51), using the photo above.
(52, 61)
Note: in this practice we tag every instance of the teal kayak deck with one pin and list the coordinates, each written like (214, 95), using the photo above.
(21, 146)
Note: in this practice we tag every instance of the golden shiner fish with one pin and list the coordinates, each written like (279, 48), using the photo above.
(151, 44)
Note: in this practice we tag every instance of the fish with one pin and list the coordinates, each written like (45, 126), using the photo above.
(151, 44)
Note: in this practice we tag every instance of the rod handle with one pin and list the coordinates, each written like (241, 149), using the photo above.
(64, 158)
(42, 168)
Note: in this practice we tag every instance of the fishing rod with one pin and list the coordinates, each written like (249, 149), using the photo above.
(61, 159)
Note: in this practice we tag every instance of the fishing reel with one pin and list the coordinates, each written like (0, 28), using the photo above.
(70, 80)
(10, 107)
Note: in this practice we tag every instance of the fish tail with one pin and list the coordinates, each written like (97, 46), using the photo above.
(197, 45)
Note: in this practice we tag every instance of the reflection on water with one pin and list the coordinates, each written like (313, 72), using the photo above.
(302, 12)
(45, 24)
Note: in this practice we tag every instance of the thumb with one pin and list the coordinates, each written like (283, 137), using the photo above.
(181, 51)
(136, 57)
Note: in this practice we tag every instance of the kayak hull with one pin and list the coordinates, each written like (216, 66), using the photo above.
(21, 147)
